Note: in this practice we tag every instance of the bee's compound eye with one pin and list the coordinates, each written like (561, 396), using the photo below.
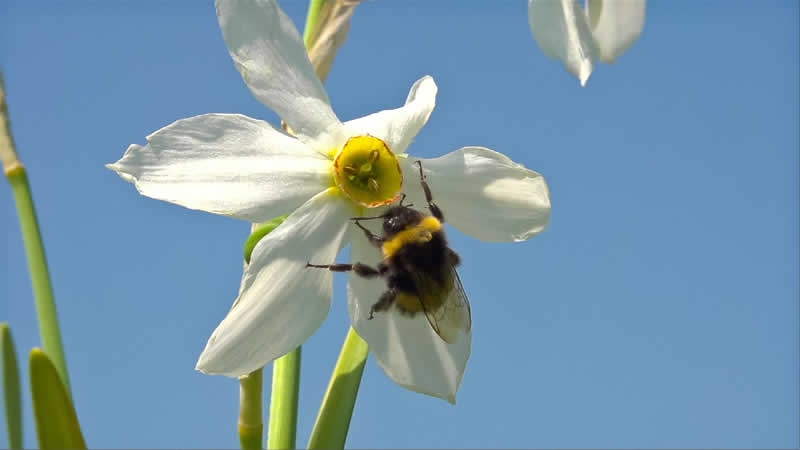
(389, 224)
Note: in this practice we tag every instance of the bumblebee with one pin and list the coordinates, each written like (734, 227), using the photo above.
(418, 266)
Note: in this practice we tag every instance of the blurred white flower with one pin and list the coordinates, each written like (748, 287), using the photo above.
(606, 30)
(233, 165)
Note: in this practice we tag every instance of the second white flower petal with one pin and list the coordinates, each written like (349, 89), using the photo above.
(282, 302)
(226, 164)
(398, 127)
(561, 30)
(483, 193)
(271, 56)
(407, 349)
(616, 25)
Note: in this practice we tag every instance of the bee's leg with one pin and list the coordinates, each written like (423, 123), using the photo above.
(435, 211)
(373, 239)
(383, 303)
(360, 269)
(455, 260)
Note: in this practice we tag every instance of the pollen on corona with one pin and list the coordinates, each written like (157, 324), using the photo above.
(367, 171)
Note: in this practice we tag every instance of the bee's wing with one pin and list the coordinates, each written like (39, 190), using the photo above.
(449, 316)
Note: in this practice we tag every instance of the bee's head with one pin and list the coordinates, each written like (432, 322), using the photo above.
(399, 217)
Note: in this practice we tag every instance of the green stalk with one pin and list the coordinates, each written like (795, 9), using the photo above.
(314, 6)
(11, 390)
(285, 383)
(286, 369)
(283, 404)
(40, 276)
(333, 420)
(251, 427)
(37, 263)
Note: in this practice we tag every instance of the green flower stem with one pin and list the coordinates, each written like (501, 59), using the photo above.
(11, 390)
(286, 369)
(333, 420)
(251, 426)
(314, 7)
(37, 263)
(40, 276)
(56, 422)
(285, 384)
(283, 405)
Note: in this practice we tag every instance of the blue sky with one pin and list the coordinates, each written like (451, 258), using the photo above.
(660, 308)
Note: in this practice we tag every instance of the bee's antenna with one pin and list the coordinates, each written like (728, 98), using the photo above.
(402, 199)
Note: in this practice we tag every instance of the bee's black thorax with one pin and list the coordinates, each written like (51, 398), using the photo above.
(399, 218)
(414, 242)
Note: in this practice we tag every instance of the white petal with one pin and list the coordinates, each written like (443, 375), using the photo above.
(616, 26)
(398, 127)
(272, 59)
(483, 193)
(226, 164)
(407, 349)
(560, 29)
(282, 303)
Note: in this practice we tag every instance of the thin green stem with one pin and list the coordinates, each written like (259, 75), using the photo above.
(314, 6)
(11, 390)
(283, 404)
(251, 426)
(333, 420)
(37, 263)
(40, 275)
(286, 370)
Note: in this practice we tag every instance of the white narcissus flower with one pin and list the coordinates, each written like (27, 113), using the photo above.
(233, 165)
(606, 30)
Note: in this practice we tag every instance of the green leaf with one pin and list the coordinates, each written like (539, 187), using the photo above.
(56, 422)
(333, 420)
(11, 388)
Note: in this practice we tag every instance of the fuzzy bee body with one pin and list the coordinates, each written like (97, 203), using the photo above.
(418, 266)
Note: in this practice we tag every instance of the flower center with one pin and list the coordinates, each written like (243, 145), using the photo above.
(368, 172)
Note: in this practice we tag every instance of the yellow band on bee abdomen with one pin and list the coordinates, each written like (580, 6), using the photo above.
(408, 303)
